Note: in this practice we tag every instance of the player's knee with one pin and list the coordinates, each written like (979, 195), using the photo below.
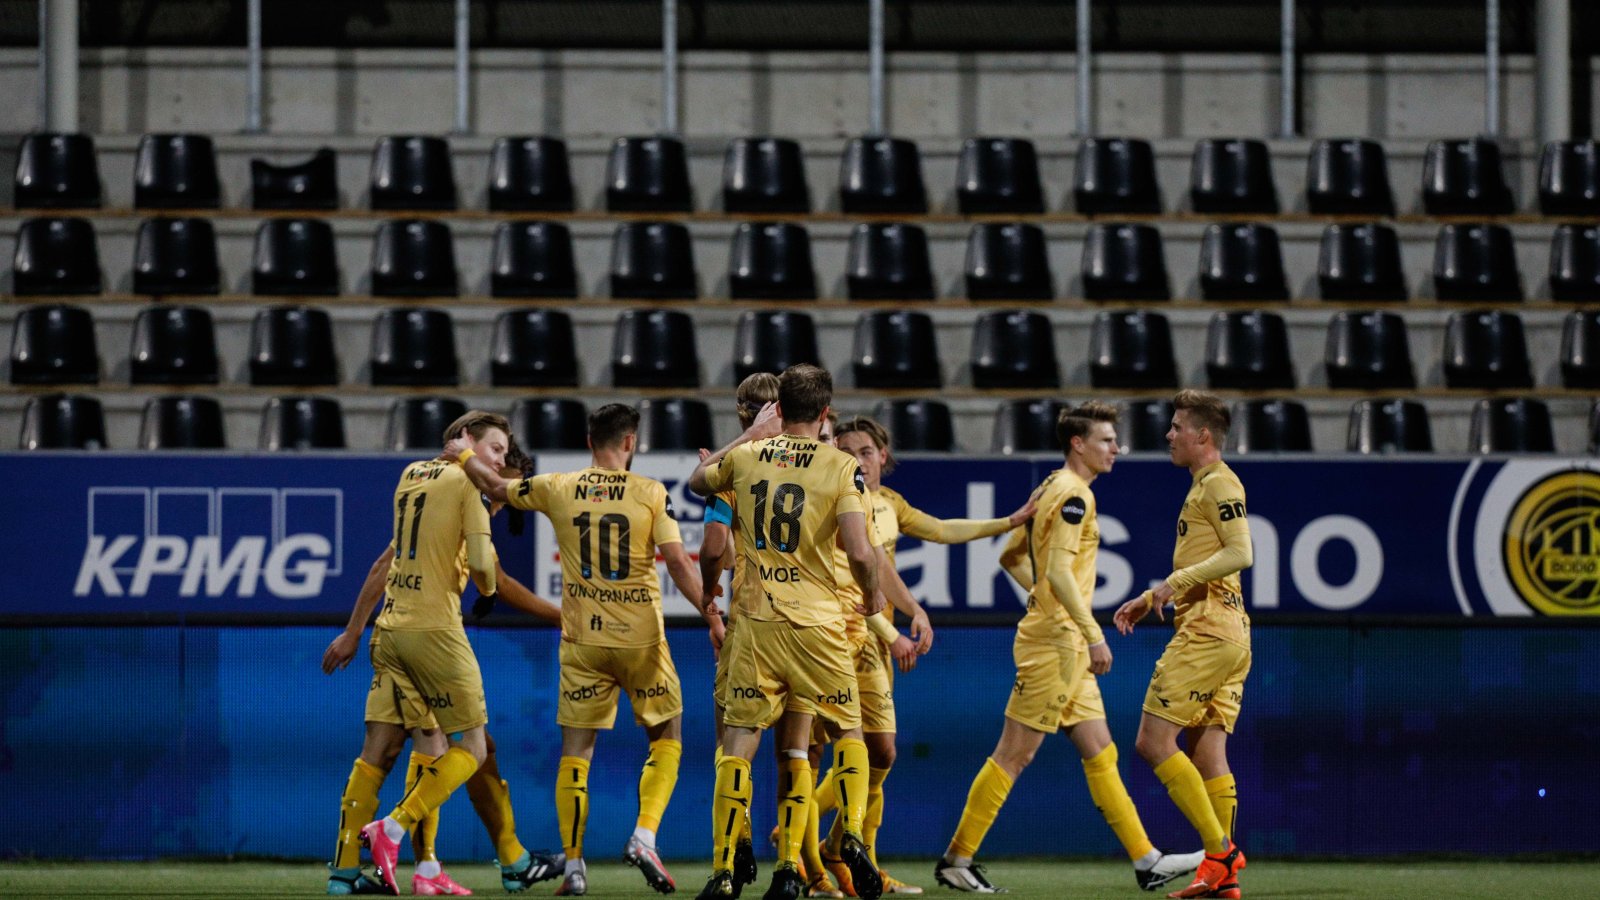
(880, 756)
(1150, 748)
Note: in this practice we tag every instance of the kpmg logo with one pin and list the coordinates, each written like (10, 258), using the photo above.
(211, 542)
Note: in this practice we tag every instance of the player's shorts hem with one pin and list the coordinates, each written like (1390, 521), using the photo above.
(1029, 725)
(458, 728)
(1182, 723)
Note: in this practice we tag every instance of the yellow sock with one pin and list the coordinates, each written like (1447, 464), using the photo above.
(1110, 796)
(491, 797)
(811, 847)
(850, 770)
(572, 803)
(744, 830)
(728, 806)
(873, 820)
(356, 808)
(793, 811)
(984, 799)
(437, 781)
(1224, 794)
(1189, 793)
(825, 798)
(656, 781)
(427, 831)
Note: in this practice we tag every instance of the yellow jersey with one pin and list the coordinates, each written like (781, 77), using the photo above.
(1213, 512)
(435, 508)
(1066, 531)
(849, 591)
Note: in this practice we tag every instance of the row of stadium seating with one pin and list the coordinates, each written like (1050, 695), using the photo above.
(766, 176)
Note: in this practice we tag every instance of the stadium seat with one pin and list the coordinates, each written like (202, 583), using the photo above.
(54, 344)
(918, 425)
(302, 423)
(63, 422)
(57, 171)
(1569, 178)
(1368, 351)
(765, 176)
(1131, 350)
(1594, 428)
(1575, 264)
(530, 174)
(412, 173)
(1271, 426)
(295, 257)
(648, 174)
(1486, 351)
(1014, 349)
(1242, 261)
(1231, 176)
(998, 176)
(173, 345)
(1248, 351)
(414, 258)
(1389, 425)
(653, 261)
(1360, 262)
(771, 261)
(1145, 424)
(1348, 177)
(414, 347)
(533, 348)
(182, 422)
(882, 176)
(293, 345)
(1476, 263)
(1124, 262)
(654, 348)
(176, 256)
(532, 259)
(539, 423)
(895, 349)
(1027, 426)
(55, 256)
(675, 423)
(1511, 425)
(1580, 350)
(773, 340)
(176, 171)
(419, 423)
(1464, 178)
(313, 184)
(1116, 176)
(889, 261)
(1008, 262)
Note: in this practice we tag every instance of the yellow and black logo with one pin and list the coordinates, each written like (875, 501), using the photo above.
(1552, 544)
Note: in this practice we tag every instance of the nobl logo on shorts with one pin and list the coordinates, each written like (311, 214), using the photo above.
(838, 698)
(746, 693)
(586, 692)
(656, 690)
(439, 701)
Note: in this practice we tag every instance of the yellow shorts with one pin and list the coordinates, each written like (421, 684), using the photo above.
(719, 681)
(776, 666)
(437, 667)
(393, 699)
(875, 676)
(1053, 689)
(1199, 681)
(591, 677)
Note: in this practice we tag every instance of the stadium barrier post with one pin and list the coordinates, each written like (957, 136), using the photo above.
(1085, 124)
(875, 67)
(58, 65)
(252, 122)
(669, 67)
(1286, 83)
(1553, 50)
(463, 74)
(1491, 69)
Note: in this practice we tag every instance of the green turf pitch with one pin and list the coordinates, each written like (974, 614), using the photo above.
(1025, 879)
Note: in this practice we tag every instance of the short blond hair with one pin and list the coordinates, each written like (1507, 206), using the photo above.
(874, 431)
(1076, 421)
(755, 391)
(1205, 411)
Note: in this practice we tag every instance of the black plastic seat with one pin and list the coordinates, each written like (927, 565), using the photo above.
(675, 423)
(1014, 349)
(653, 261)
(1569, 178)
(419, 423)
(1249, 351)
(1360, 262)
(1271, 426)
(412, 347)
(895, 349)
(1124, 262)
(533, 348)
(648, 174)
(918, 425)
(1368, 351)
(57, 171)
(1008, 262)
(771, 261)
(1145, 424)
(176, 171)
(654, 348)
(56, 256)
(63, 422)
(1486, 351)
(1027, 426)
(295, 258)
(549, 423)
(1594, 428)
(889, 262)
(312, 184)
(173, 345)
(293, 345)
(998, 176)
(1511, 425)
(882, 176)
(1580, 350)
(1242, 261)
(54, 344)
(1132, 350)
(530, 174)
(1116, 176)
(182, 422)
(1465, 178)
(1231, 176)
(411, 172)
(302, 423)
(532, 259)
(1348, 177)
(1575, 264)
(414, 258)
(1476, 263)
(763, 176)
(773, 340)
(1389, 425)
(176, 256)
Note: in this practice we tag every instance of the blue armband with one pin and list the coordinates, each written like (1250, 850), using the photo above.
(719, 512)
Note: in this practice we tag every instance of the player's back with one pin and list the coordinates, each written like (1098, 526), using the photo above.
(435, 508)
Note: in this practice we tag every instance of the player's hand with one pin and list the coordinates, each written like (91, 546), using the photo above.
(1161, 596)
(718, 632)
(872, 606)
(1024, 512)
(340, 652)
(1099, 658)
(483, 606)
(704, 454)
(767, 424)
(905, 653)
(922, 632)
(1129, 614)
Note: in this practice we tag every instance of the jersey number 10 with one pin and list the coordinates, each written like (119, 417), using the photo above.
(788, 504)
(613, 539)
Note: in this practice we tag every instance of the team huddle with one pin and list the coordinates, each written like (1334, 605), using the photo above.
(808, 650)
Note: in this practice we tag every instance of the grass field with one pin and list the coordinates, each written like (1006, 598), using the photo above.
(1024, 878)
